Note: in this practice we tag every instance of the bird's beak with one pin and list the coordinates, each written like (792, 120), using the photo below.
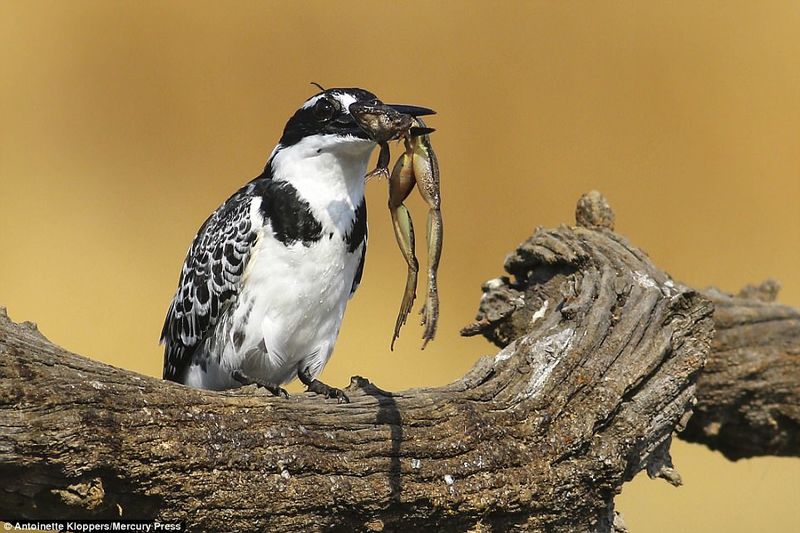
(413, 110)
(360, 108)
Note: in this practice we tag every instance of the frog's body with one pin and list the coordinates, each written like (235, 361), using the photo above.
(385, 125)
(418, 165)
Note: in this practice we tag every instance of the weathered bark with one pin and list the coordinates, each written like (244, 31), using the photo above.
(748, 395)
(601, 358)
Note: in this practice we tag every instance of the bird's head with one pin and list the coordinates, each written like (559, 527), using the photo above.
(328, 118)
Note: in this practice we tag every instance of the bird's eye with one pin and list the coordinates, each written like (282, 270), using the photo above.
(323, 110)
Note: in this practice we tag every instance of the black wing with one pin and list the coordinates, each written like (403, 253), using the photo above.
(356, 237)
(210, 280)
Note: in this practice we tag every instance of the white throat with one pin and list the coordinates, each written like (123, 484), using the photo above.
(328, 173)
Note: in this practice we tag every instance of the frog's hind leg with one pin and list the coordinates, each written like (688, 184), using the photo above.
(400, 186)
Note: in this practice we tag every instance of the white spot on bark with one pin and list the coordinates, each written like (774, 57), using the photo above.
(495, 283)
(448, 479)
(285, 474)
(540, 312)
(644, 281)
(97, 385)
(545, 354)
(669, 288)
(416, 464)
(505, 353)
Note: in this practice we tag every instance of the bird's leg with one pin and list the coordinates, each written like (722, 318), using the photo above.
(318, 387)
(244, 379)
(382, 169)
(401, 183)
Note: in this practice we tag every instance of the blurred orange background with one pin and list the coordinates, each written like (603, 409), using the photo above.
(124, 124)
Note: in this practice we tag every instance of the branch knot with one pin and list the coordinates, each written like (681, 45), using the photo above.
(593, 211)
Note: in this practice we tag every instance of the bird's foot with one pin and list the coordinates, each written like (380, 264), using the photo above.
(318, 387)
(275, 390)
(244, 379)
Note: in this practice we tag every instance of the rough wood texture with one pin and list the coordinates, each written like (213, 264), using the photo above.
(601, 358)
(748, 395)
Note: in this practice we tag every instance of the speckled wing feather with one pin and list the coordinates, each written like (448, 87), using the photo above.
(210, 280)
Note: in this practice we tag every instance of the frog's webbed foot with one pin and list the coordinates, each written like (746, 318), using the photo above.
(244, 379)
(379, 172)
(430, 318)
(407, 303)
(318, 387)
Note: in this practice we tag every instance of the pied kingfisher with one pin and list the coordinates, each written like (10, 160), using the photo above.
(267, 278)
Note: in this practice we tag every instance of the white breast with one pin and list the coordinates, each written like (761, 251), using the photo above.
(293, 297)
(298, 296)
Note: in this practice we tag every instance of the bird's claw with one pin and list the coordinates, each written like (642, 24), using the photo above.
(339, 394)
(244, 379)
(278, 391)
(318, 387)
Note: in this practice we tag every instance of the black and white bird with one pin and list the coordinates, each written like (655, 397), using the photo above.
(267, 278)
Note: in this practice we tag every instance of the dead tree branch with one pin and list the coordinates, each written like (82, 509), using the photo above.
(602, 352)
(748, 395)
